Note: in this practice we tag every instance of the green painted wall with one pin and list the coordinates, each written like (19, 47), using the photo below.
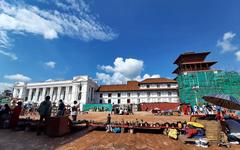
(193, 86)
(4, 101)
(107, 107)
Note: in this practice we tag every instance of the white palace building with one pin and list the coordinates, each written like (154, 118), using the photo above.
(86, 91)
(80, 88)
(150, 90)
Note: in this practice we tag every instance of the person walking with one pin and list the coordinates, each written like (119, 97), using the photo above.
(74, 111)
(44, 111)
(61, 108)
(109, 128)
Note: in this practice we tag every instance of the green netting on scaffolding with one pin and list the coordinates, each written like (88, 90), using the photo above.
(193, 86)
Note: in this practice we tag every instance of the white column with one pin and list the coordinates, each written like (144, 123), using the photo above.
(36, 95)
(85, 93)
(29, 95)
(15, 93)
(66, 99)
(51, 94)
(43, 94)
(58, 93)
(20, 93)
(74, 93)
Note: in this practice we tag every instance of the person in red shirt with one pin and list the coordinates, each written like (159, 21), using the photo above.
(185, 109)
(15, 115)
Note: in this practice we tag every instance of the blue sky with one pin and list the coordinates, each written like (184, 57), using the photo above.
(112, 41)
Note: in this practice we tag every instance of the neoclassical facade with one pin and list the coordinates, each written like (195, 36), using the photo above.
(147, 91)
(80, 88)
(85, 91)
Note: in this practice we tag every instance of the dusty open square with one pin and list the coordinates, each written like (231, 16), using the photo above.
(99, 140)
(146, 116)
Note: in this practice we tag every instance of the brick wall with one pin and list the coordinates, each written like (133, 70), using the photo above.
(161, 106)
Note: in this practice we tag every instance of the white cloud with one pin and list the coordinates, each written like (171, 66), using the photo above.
(71, 18)
(228, 35)
(237, 54)
(49, 80)
(122, 71)
(5, 86)
(51, 23)
(107, 68)
(56, 79)
(17, 77)
(115, 78)
(104, 78)
(11, 55)
(50, 64)
(75, 5)
(5, 43)
(129, 67)
(139, 78)
(226, 44)
(4, 40)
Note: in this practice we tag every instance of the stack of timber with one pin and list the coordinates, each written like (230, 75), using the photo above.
(212, 129)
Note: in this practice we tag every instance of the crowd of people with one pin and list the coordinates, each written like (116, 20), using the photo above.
(122, 110)
(207, 109)
(9, 117)
(194, 110)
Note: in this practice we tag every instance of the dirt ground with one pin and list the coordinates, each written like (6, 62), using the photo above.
(146, 116)
(99, 140)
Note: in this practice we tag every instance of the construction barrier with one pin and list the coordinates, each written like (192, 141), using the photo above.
(97, 107)
(4, 101)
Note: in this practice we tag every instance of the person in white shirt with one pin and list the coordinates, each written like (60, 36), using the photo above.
(120, 112)
(74, 111)
(195, 108)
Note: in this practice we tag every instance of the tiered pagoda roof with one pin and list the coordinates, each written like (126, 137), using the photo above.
(191, 62)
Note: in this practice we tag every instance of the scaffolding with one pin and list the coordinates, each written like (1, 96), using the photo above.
(194, 85)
